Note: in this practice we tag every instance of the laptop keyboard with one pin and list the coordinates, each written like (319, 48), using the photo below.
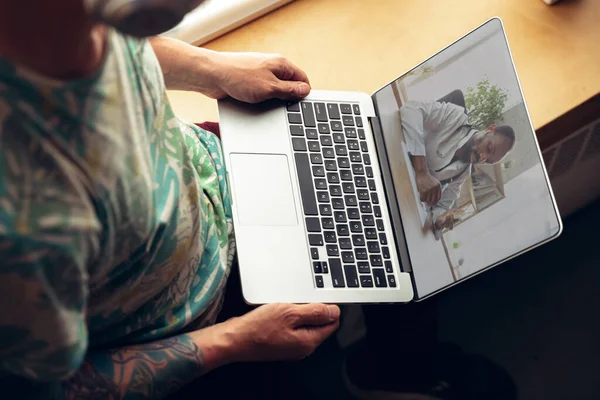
(345, 230)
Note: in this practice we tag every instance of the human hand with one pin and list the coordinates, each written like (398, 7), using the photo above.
(256, 77)
(282, 331)
(446, 220)
(429, 188)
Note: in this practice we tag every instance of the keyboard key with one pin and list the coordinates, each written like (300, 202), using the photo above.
(348, 120)
(332, 250)
(358, 169)
(325, 209)
(314, 253)
(324, 129)
(365, 207)
(353, 145)
(321, 184)
(363, 267)
(333, 177)
(358, 240)
(351, 275)
(316, 159)
(391, 280)
(361, 253)
(388, 267)
(353, 213)
(355, 227)
(341, 150)
(320, 112)
(363, 194)
(342, 230)
(382, 239)
(371, 233)
(356, 109)
(367, 220)
(343, 162)
(340, 216)
(294, 118)
(376, 260)
(333, 111)
(336, 126)
(373, 247)
(326, 140)
(313, 225)
(296, 130)
(330, 165)
(318, 170)
(338, 137)
(337, 275)
(348, 187)
(347, 257)
(322, 197)
(372, 184)
(386, 252)
(293, 107)
(361, 134)
(366, 157)
(350, 201)
(374, 198)
(315, 240)
(365, 281)
(327, 223)
(364, 147)
(324, 267)
(380, 225)
(307, 191)
(328, 152)
(319, 281)
(345, 243)
(338, 203)
(369, 172)
(360, 181)
(346, 175)
(335, 190)
(330, 237)
(299, 144)
(314, 146)
(377, 211)
(359, 122)
(355, 157)
(312, 134)
(308, 114)
(346, 108)
(350, 133)
(379, 276)
(317, 267)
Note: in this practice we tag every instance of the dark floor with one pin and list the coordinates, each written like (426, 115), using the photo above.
(537, 315)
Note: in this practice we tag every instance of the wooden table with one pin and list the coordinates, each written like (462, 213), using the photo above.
(360, 45)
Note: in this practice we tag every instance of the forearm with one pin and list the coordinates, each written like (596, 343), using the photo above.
(186, 67)
(419, 164)
(151, 370)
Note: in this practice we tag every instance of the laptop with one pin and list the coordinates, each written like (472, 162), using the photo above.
(392, 197)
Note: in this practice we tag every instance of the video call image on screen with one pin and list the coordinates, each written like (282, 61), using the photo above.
(467, 172)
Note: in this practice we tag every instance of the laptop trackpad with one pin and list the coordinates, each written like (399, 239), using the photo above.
(263, 190)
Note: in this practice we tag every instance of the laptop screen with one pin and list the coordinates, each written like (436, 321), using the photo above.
(466, 167)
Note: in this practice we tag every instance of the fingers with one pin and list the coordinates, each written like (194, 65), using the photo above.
(289, 90)
(283, 69)
(292, 83)
(317, 314)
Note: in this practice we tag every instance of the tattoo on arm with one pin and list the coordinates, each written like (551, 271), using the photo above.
(151, 370)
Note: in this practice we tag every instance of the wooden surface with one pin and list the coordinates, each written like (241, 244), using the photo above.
(361, 45)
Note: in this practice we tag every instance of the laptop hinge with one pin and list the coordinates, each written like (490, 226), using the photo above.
(390, 194)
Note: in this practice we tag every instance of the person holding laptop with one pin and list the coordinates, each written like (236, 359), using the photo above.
(443, 147)
(115, 218)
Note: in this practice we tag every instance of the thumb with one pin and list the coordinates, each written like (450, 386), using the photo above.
(291, 90)
(318, 314)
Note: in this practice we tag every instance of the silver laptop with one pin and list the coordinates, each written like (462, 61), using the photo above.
(346, 197)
